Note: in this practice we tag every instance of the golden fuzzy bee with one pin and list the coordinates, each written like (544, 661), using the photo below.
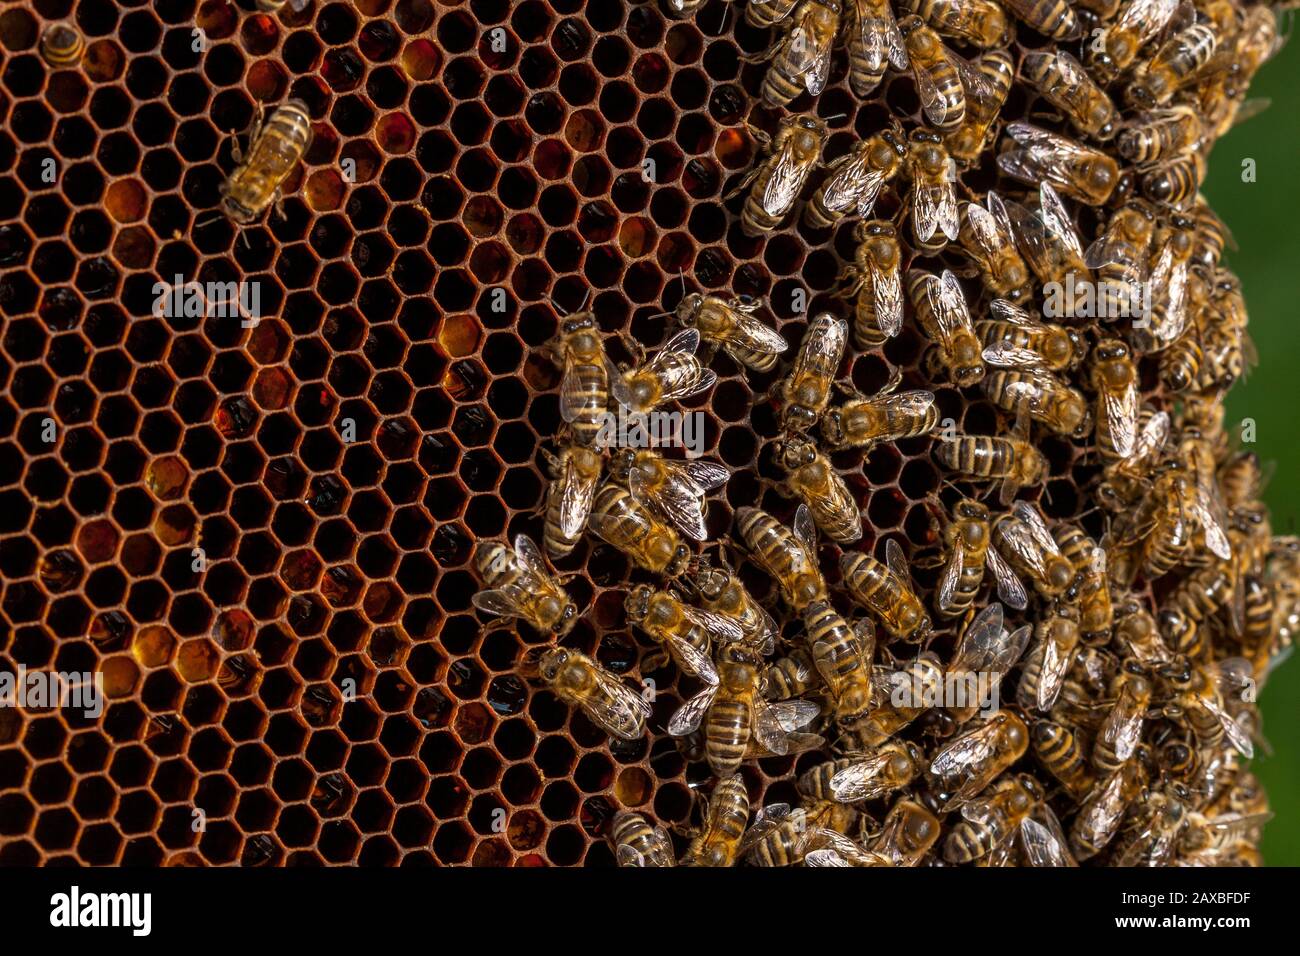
(842, 656)
(1175, 182)
(731, 325)
(1118, 44)
(790, 157)
(990, 821)
(575, 473)
(1063, 82)
(1059, 750)
(675, 373)
(801, 56)
(966, 540)
(1091, 589)
(1126, 479)
(806, 391)
(980, 23)
(782, 836)
(637, 843)
(934, 198)
(788, 557)
(1050, 659)
(941, 310)
(901, 696)
(1014, 338)
(1052, 18)
(874, 44)
(987, 236)
(62, 45)
(1121, 730)
(1121, 257)
(737, 713)
(1114, 377)
(1011, 460)
(1049, 242)
(518, 584)
(1022, 538)
(274, 150)
(994, 74)
(582, 682)
(812, 478)
(584, 389)
(1170, 272)
(718, 841)
(867, 777)
(985, 651)
(1078, 171)
(938, 81)
(676, 489)
(1154, 135)
(885, 589)
(886, 416)
(1175, 62)
(791, 676)
(1041, 396)
(1198, 693)
(854, 181)
(969, 762)
(687, 632)
(720, 590)
(908, 833)
(1102, 811)
(874, 284)
(621, 519)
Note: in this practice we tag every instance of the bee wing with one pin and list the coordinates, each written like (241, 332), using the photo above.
(765, 821)
(897, 562)
(1043, 843)
(706, 474)
(1121, 411)
(887, 288)
(574, 397)
(1030, 235)
(576, 496)
(1012, 356)
(1033, 520)
(1072, 74)
(951, 577)
(824, 857)
(1100, 252)
(1230, 827)
(620, 710)
(754, 335)
(688, 717)
(934, 103)
(984, 228)
(809, 53)
(506, 602)
(1123, 727)
(1057, 220)
(948, 304)
(1011, 591)
(806, 530)
(852, 184)
(1151, 440)
(1018, 540)
(784, 183)
(716, 625)
(926, 200)
(1056, 662)
(768, 730)
(693, 661)
(868, 36)
(1175, 312)
(1233, 731)
(908, 406)
(1208, 511)
(1146, 18)
(679, 498)
(611, 527)
(858, 781)
(618, 388)
(790, 715)
(967, 751)
(1234, 675)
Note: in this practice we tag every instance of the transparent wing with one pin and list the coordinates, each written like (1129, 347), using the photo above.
(1151, 440)
(869, 36)
(948, 304)
(1123, 727)
(1057, 219)
(576, 495)
(768, 730)
(926, 200)
(887, 289)
(965, 752)
(679, 498)
(1207, 511)
(824, 857)
(507, 601)
(618, 386)
(1006, 355)
(766, 820)
(984, 228)
(754, 335)
(850, 182)
(716, 625)
(707, 474)
(784, 183)
(1032, 519)
(688, 717)
(693, 660)
(1011, 590)
(862, 780)
(805, 530)
(896, 562)
(951, 577)
(1010, 312)
(1057, 658)
(790, 715)
(1146, 18)
(1043, 844)
(1121, 411)
(809, 53)
(620, 710)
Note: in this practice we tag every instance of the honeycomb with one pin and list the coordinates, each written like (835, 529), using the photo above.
(320, 687)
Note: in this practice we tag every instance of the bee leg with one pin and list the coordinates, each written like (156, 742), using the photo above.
(636, 349)
(766, 54)
(744, 183)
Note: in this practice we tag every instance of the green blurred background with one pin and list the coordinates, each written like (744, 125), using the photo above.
(1265, 218)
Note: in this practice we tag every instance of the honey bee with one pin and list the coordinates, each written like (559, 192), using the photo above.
(933, 197)
(805, 392)
(720, 590)
(1052, 18)
(1103, 810)
(731, 325)
(681, 9)
(886, 416)
(941, 309)
(812, 478)
(637, 843)
(584, 389)
(1198, 693)
(842, 656)
(1160, 821)
(676, 489)
(687, 632)
(1169, 276)
(986, 234)
(1120, 731)
(885, 590)
(1114, 377)
(622, 520)
(986, 649)
(1175, 182)
(778, 179)
(874, 44)
(518, 584)
(1178, 58)
(901, 696)
(966, 540)
(1157, 134)
(1048, 240)
(737, 713)
(991, 821)
(675, 373)
(62, 45)
(781, 836)
(274, 149)
(1077, 171)
(718, 842)
(867, 777)
(789, 558)
(968, 763)
(984, 100)
(578, 680)
(1120, 256)
(1039, 395)
(875, 285)
(854, 181)
(938, 82)
(790, 676)
(1015, 338)
(801, 56)
(1212, 235)
(574, 476)
(766, 13)
(1050, 659)
(1127, 478)
(1059, 750)
(1013, 460)
(1023, 540)
(1091, 589)
(1118, 44)
(980, 23)
(1063, 82)
(908, 833)
(1242, 479)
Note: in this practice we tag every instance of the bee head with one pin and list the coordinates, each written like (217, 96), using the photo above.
(800, 417)
(551, 661)
(681, 558)
(687, 308)
(568, 617)
(637, 603)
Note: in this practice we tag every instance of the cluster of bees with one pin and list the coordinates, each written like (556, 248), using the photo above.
(1122, 731)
